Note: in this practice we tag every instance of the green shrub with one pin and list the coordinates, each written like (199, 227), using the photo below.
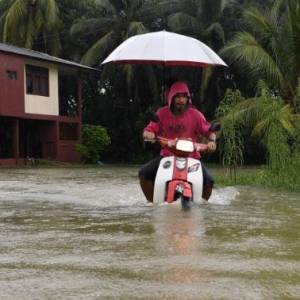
(277, 127)
(94, 140)
(231, 142)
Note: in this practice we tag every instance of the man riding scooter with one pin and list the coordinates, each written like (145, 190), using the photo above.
(179, 119)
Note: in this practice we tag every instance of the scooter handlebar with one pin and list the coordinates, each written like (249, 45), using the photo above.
(202, 148)
(171, 143)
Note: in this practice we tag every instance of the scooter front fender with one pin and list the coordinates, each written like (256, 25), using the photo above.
(165, 175)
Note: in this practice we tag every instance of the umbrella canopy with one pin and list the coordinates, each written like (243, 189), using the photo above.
(165, 48)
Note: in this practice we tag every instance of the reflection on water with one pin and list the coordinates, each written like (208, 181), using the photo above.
(88, 234)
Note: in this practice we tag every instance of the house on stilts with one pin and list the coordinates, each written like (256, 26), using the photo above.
(40, 106)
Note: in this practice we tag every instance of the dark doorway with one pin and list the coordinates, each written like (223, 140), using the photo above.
(68, 95)
(6, 138)
(30, 141)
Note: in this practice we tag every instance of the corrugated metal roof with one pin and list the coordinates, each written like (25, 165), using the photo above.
(40, 56)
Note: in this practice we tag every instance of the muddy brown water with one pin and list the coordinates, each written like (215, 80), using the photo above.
(88, 234)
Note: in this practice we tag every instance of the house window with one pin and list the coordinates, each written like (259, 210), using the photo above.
(11, 74)
(37, 81)
(68, 131)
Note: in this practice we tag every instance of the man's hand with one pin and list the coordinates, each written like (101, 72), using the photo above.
(148, 135)
(211, 147)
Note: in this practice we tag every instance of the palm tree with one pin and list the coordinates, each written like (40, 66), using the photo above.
(270, 48)
(202, 20)
(114, 22)
(32, 24)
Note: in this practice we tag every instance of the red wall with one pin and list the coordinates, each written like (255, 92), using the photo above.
(11, 90)
(48, 137)
(67, 151)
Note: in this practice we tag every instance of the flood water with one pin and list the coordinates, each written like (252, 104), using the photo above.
(88, 234)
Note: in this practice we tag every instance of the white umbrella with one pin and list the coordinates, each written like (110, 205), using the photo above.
(165, 48)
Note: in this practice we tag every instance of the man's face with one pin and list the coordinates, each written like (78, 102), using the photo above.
(180, 102)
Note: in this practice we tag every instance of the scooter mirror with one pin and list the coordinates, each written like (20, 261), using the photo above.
(215, 127)
(185, 146)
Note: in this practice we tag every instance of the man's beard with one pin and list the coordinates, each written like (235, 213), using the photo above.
(180, 108)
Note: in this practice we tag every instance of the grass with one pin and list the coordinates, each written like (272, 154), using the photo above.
(243, 176)
(258, 176)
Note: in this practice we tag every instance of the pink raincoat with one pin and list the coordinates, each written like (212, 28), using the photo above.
(191, 124)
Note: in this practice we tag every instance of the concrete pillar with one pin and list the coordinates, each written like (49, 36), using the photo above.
(16, 141)
(79, 95)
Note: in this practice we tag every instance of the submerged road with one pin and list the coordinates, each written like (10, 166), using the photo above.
(88, 234)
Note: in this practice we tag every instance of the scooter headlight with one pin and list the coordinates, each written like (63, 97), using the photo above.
(185, 146)
(180, 163)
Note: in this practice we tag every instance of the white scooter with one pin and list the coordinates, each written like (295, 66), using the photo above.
(179, 177)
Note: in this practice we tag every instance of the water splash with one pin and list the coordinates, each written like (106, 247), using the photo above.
(224, 196)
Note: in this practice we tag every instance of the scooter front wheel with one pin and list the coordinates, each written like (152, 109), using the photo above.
(185, 202)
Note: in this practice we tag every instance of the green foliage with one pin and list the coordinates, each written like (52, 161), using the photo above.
(31, 24)
(114, 22)
(297, 97)
(94, 139)
(276, 127)
(231, 138)
(269, 48)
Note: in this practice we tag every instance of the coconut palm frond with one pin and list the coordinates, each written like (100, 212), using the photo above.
(13, 16)
(91, 27)
(293, 35)
(107, 6)
(4, 5)
(210, 11)
(247, 52)
(30, 31)
(273, 112)
(288, 126)
(259, 22)
(295, 118)
(182, 23)
(38, 19)
(26, 23)
(262, 88)
(135, 28)
(260, 129)
(135, 5)
(227, 3)
(285, 118)
(98, 50)
(51, 13)
(154, 9)
(276, 9)
(247, 112)
(216, 32)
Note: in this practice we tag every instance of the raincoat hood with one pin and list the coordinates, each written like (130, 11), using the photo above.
(176, 88)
